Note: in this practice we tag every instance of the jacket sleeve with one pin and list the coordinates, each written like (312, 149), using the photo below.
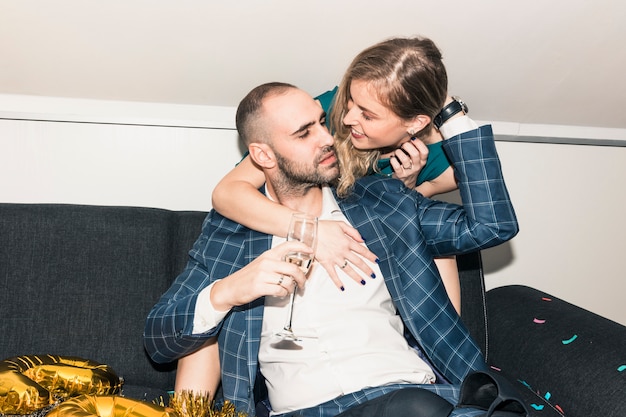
(168, 331)
(487, 217)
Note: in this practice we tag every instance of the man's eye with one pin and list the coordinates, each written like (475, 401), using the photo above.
(305, 134)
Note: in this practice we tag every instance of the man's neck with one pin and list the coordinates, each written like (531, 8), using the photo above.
(306, 200)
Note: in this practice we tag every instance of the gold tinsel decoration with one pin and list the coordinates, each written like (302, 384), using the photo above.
(191, 404)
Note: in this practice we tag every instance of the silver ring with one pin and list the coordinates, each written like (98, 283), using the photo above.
(344, 264)
(280, 280)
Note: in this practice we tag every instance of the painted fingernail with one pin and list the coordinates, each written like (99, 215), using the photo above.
(377, 260)
(363, 282)
(342, 288)
(373, 275)
(363, 239)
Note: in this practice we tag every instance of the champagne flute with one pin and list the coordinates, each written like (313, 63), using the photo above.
(303, 228)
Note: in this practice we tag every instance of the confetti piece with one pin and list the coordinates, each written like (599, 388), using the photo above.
(621, 368)
(547, 396)
(546, 299)
(495, 369)
(537, 407)
(558, 407)
(524, 383)
(538, 321)
(570, 340)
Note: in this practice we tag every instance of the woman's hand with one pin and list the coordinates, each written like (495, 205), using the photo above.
(340, 246)
(408, 160)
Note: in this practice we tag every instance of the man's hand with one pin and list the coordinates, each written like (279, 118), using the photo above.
(269, 274)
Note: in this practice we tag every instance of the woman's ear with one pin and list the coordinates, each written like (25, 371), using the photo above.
(418, 123)
(262, 155)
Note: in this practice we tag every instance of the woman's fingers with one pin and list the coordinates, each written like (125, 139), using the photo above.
(340, 247)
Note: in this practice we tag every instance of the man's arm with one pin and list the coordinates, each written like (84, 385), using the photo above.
(216, 278)
(168, 332)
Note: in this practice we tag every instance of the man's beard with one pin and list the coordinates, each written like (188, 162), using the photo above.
(299, 177)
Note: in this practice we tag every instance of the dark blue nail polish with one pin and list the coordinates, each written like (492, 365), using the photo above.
(373, 275)
(363, 239)
(377, 260)
(342, 288)
(363, 282)
(413, 137)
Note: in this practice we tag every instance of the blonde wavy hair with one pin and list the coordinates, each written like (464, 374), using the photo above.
(410, 79)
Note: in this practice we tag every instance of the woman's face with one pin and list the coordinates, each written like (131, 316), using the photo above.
(372, 125)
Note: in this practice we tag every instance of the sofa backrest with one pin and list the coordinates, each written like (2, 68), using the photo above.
(80, 280)
(473, 301)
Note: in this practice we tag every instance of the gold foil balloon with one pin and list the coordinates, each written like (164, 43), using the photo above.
(108, 406)
(31, 382)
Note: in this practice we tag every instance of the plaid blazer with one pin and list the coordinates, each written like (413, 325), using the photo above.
(403, 228)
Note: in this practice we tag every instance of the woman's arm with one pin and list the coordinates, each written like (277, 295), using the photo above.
(449, 272)
(442, 184)
(237, 197)
(200, 371)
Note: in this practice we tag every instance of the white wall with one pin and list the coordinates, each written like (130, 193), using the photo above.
(570, 205)
(568, 198)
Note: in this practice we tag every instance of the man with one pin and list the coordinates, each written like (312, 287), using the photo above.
(352, 347)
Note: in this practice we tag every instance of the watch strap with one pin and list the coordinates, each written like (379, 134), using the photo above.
(455, 106)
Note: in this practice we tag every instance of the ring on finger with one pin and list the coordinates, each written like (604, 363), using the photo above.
(280, 280)
(344, 264)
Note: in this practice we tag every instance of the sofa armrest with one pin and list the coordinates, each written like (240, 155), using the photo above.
(572, 359)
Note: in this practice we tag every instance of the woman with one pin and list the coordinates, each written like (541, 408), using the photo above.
(382, 118)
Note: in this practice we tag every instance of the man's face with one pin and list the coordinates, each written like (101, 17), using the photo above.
(299, 138)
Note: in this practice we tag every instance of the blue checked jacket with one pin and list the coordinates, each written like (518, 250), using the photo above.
(403, 228)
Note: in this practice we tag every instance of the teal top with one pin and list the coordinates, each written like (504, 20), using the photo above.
(436, 163)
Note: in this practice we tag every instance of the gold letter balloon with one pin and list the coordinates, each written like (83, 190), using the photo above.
(108, 406)
(31, 382)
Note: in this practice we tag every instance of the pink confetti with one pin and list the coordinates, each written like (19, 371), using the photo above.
(546, 299)
(496, 369)
(538, 321)
(558, 407)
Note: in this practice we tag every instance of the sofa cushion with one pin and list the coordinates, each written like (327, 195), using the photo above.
(80, 280)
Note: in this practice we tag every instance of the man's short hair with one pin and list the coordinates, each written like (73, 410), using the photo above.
(247, 118)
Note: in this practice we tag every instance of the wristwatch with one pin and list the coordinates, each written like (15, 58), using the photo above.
(455, 106)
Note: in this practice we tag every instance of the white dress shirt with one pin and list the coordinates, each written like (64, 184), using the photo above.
(349, 340)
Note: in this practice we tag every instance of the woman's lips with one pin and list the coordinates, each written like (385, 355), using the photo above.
(356, 134)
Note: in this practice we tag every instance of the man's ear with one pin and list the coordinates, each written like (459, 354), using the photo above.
(262, 155)
(418, 123)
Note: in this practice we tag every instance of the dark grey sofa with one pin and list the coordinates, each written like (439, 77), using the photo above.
(79, 280)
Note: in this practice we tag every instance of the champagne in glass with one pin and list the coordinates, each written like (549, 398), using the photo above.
(303, 228)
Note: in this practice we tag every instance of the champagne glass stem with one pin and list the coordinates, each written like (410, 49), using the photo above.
(287, 327)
